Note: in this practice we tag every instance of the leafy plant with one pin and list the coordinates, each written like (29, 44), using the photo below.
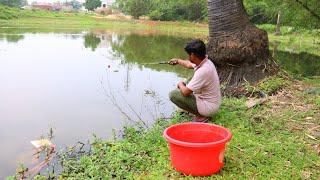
(92, 4)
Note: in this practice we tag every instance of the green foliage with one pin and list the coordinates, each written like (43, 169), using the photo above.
(8, 13)
(165, 10)
(272, 84)
(169, 10)
(292, 13)
(268, 85)
(14, 3)
(136, 8)
(259, 11)
(92, 4)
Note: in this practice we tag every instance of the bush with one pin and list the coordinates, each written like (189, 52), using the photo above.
(8, 13)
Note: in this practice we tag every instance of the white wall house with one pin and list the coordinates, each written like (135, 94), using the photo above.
(107, 3)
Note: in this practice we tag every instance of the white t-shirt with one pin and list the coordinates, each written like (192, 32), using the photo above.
(205, 85)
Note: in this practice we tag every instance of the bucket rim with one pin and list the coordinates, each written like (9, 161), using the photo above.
(189, 144)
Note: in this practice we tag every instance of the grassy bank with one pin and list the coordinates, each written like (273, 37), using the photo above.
(187, 29)
(279, 139)
(46, 21)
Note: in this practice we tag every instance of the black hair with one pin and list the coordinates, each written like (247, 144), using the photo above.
(197, 47)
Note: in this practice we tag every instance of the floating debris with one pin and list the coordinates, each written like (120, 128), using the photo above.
(42, 143)
(149, 92)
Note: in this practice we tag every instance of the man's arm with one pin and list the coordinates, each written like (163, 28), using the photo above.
(183, 89)
(184, 63)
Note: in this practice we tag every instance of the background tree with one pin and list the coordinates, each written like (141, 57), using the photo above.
(92, 4)
(237, 47)
(296, 13)
(293, 13)
(135, 8)
(165, 10)
(14, 3)
(178, 10)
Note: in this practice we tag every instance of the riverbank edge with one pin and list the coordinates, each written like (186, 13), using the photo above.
(182, 29)
(279, 139)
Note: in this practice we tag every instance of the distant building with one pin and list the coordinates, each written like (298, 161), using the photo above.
(57, 6)
(67, 7)
(43, 6)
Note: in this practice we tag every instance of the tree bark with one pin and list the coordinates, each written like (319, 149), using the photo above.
(238, 48)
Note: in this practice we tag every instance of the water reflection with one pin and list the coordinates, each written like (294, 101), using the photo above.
(294, 61)
(53, 80)
(91, 41)
(142, 50)
(14, 38)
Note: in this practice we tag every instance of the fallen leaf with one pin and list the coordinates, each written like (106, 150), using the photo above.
(254, 102)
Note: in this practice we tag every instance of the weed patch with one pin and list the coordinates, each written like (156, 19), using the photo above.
(270, 141)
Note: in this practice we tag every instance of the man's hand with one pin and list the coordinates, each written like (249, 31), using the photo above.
(184, 63)
(174, 61)
(181, 83)
(183, 89)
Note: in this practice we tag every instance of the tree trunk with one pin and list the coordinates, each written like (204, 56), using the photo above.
(238, 48)
(278, 32)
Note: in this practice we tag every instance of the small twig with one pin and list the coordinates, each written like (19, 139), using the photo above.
(311, 137)
(233, 65)
(114, 102)
(131, 108)
(241, 150)
(308, 123)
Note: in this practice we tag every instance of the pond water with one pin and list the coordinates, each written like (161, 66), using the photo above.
(80, 83)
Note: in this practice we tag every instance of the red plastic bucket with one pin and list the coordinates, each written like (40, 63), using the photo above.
(197, 149)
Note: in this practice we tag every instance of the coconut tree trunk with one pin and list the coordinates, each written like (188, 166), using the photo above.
(236, 46)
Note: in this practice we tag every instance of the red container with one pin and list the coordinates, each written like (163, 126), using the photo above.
(197, 149)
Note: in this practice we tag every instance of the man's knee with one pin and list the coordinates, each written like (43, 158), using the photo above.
(173, 95)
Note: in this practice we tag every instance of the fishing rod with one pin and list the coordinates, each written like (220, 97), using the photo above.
(156, 63)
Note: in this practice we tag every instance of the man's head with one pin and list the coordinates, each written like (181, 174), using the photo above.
(196, 50)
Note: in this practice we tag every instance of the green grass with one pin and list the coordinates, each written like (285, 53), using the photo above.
(269, 142)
